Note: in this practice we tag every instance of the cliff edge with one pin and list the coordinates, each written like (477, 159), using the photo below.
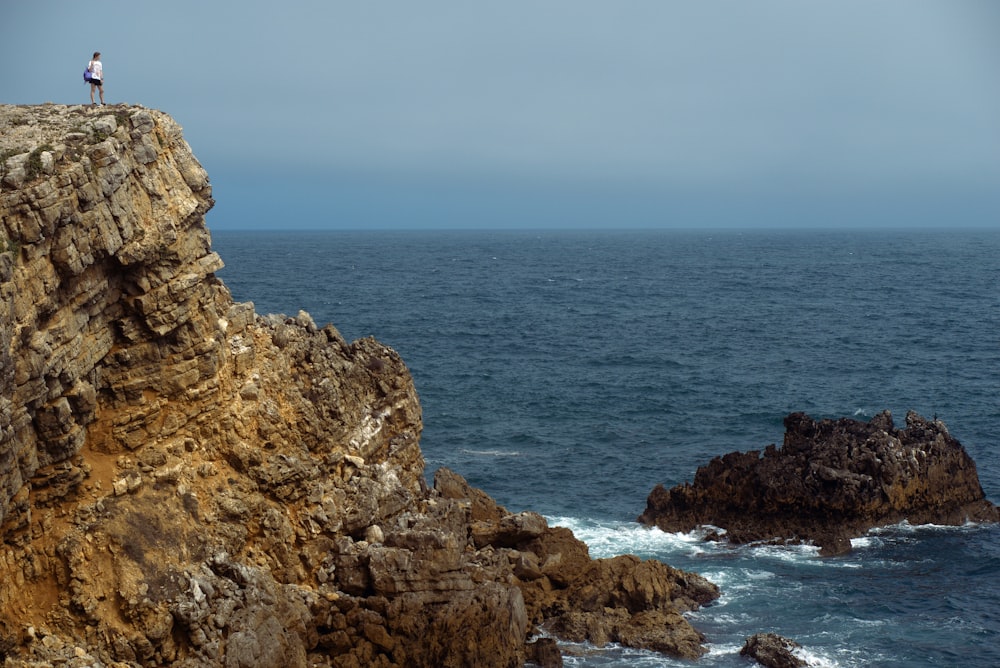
(186, 482)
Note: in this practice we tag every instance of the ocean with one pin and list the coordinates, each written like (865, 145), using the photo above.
(569, 372)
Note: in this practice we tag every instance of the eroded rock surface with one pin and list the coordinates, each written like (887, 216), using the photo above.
(773, 651)
(185, 482)
(831, 480)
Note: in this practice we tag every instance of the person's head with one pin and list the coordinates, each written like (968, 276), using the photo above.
(97, 54)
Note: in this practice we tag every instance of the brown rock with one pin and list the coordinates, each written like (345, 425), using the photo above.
(544, 652)
(624, 599)
(831, 480)
(633, 602)
(663, 631)
(511, 530)
(183, 482)
(772, 651)
(450, 485)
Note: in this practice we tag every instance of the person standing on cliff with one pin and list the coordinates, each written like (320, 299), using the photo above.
(96, 76)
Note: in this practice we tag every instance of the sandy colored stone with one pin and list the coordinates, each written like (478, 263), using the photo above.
(185, 482)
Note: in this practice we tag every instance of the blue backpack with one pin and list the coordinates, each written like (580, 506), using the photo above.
(86, 76)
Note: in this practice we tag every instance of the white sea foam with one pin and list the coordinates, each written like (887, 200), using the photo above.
(610, 538)
(905, 528)
(798, 553)
(842, 621)
(870, 623)
(814, 659)
(490, 453)
(865, 542)
(607, 538)
(721, 620)
(614, 655)
(722, 649)
(737, 579)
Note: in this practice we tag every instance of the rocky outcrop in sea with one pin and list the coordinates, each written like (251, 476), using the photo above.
(186, 482)
(773, 651)
(830, 481)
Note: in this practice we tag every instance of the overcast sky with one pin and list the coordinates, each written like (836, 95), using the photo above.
(622, 113)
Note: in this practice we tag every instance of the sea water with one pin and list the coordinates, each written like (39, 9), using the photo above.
(570, 372)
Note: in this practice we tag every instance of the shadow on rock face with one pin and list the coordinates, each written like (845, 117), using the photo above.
(830, 481)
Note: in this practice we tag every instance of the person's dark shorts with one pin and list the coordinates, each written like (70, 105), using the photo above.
(96, 82)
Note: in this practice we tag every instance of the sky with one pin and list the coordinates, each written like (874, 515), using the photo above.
(394, 114)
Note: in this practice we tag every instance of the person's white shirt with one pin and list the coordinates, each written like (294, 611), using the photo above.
(96, 70)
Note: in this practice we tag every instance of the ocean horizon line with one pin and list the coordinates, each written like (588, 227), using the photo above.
(657, 230)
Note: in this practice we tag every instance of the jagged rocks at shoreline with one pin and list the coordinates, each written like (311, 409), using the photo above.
(772, 651)
(830, 481)
(185, 482)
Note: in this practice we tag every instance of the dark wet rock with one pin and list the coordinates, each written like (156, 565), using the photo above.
(830, 481)
(772, 651)
(544, 652)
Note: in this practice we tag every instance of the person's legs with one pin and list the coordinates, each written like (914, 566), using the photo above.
(92, 87)
(101, 89)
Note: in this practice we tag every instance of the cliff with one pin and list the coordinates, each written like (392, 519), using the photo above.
(186, 482)
(830, 481)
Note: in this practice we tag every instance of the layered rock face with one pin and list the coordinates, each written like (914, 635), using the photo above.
(185, 482)
(831, 480)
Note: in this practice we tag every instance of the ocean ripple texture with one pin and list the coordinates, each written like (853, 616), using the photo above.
(569, 372)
